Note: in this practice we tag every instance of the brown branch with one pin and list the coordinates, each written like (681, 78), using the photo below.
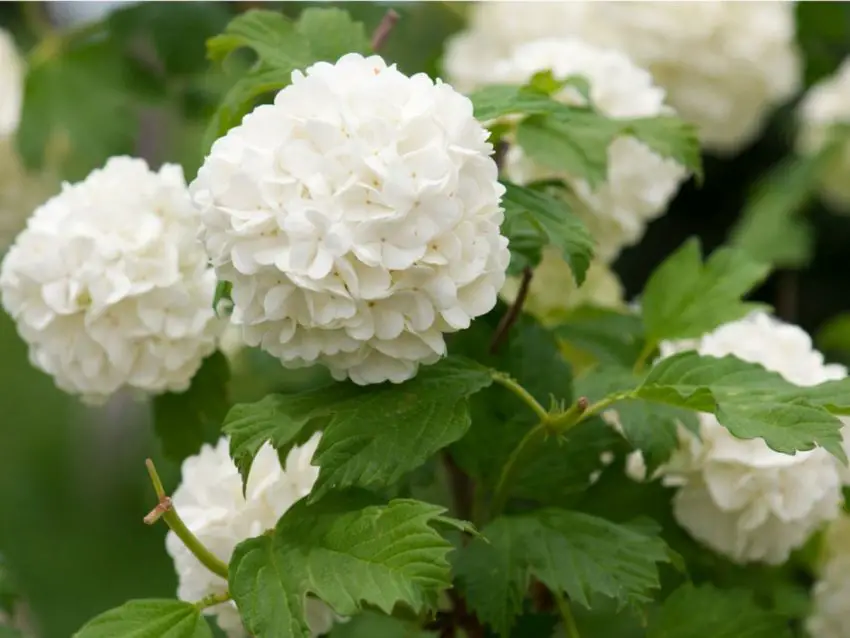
(499, 154)
(383, 30)
(513, 312)
(787, 295)
(461, 487)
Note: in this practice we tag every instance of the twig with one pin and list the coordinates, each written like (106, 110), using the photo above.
(787, 295)
(461, 486)
(499, 154)
(383, 30)
(513, 312)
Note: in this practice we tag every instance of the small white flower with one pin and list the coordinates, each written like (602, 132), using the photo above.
(357, 219)
(110, 287)
(639, 182)
(738, 496)
(11, 84)
(210, 502)
(828, 103)
(724, 65)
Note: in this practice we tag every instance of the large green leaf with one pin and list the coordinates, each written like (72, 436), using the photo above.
(613, 337)
(569, 552)
(185, 421)
(148, 619)
(347, 554)
(686, 298)
(497, 100)
(332, 33)
(535, 219)
(707, 612)
(372, 436)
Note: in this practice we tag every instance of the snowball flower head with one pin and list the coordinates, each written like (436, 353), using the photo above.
(725, 65)
(737, 496)
(639, 183)
(211, 503)
(357, 219)
(11, 84)
(826, 104)
(110, 287)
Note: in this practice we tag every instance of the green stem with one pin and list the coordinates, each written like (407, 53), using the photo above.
(566, 616)
(522, 393)
(648, 349)
(602, 405)
(166, 511)
(500, 494)
(212, 600)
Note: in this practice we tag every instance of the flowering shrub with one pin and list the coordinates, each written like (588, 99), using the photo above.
(489, 439)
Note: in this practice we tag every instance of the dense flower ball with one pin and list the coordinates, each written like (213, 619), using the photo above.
(210, 502)
(109, 285)
(830, 615)
(725, 65)
(826, 104)
(11, 84)
(737, 496)
(639, 183)
(357, 219)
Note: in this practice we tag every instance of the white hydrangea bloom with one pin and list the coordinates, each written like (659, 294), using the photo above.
(109, 285)
(640, 183)
(724, 65)
(828, 103)
(210, 502)
(357, 218)
(737, 496)
(11, 84)
(830, 615)
(553, 292)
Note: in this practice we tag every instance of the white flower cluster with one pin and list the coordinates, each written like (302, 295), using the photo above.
(639, 182)
(357, 219)
(826, 104)
(11, 85)
(830, 615)
(109, 285)
(210, 502)
(738, 496)
(724, 65)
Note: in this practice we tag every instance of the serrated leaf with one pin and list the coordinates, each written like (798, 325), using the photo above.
(185, 421)
(669, 137)
(148, 619)
(750, 401)
(707, 612)
(270, 34)
(332, 33)
(86, 130)
(569, 552)
(611, 336)
(534, 219)
(685, 298)
(372, 436)
(344, 553)
(495, 101)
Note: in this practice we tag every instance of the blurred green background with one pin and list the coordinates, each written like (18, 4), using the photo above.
(73, 488)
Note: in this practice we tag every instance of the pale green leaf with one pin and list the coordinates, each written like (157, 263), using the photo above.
(380, 555)
(685, 298)
(495, 101)
(185, 421)
(270, 34)
(570, 552)
(332, 33)
(669, 137)
(534, 219)
(371, 436)
(148, 619)
(708, 612)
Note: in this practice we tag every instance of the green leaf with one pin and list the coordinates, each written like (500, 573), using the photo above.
(835, 334)
(148, 619)
(9, 632)
(611, 336)
(669, 137)
(495, 101)
(750, 401)
(685, 298)
(373, 625)
(707, 612)
(185, 421)
(534, 219)
(372, 436)
(380, 555)
(97, 123)
(332, 33)
(9, 592)
(569, 552)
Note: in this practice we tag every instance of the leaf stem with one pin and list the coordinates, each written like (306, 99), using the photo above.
(212, 600)
(523, 394)
(500, 494)
(165, 510)
(566, 615)
(513, 312)
(646, 351)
